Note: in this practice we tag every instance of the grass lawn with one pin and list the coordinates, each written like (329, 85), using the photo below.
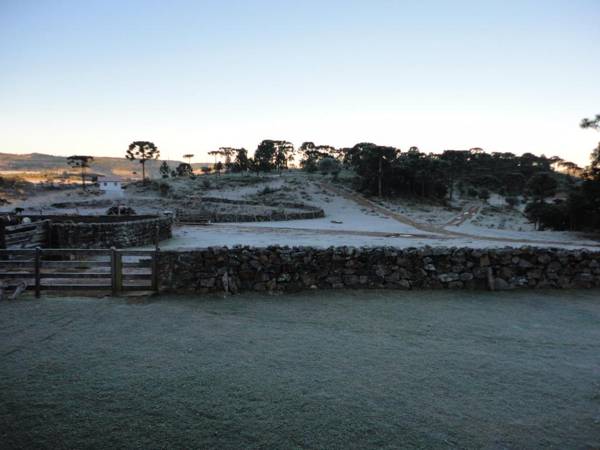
(336, 369)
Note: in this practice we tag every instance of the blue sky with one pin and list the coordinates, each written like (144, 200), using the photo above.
(92, 76)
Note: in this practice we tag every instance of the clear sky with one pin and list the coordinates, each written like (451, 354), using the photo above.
(86, 76)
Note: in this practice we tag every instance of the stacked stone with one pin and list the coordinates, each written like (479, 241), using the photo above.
(276, 268)
(131, 232)
(197, 215)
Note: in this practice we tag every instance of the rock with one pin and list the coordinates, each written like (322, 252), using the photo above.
(448, 277)
(484, 261)
(207, 282)
(466, 276)
(405, 284)
(524, 264)
(284, 278)
(554, 266)
(501, 285)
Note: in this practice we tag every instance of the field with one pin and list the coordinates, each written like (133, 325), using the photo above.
(343, 369)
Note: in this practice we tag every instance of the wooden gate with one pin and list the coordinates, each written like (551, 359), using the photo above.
(80, 269)
(26, 235)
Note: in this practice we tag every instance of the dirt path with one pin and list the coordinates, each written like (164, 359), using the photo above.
(432, 229)
(264, 230)
(362, 201)
(467, 213)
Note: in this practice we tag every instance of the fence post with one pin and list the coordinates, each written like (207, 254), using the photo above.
(116, 271)
(38, 262)
(155, 270)
(2, 233)
(156, 236)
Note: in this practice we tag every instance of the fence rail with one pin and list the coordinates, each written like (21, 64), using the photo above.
(80, 269)
(26, 235)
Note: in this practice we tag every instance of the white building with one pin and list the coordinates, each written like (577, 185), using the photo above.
(112, 188)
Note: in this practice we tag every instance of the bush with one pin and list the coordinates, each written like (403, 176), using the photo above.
(546, 215)
(511, 201)
(484, 195)
(329, 165)
(120, 211)
(164, 188)
(267, 190)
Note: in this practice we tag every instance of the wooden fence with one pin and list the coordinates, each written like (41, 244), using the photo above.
(80, 269)
(26, 235)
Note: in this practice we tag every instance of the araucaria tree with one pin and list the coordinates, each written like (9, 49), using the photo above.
(272, 154)
(216, 154)
(80, 162)
(189, 157)
(142, 151)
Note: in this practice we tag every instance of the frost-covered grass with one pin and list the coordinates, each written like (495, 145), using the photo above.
(343, 369)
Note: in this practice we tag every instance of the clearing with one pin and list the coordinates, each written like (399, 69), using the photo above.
(350, 218)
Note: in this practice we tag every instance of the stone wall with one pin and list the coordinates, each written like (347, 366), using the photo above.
(107, 231)
(284, 211)
(288, 269)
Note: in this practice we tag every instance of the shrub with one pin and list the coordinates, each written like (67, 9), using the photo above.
(329, 165)
(546, 215)
(511, 201)
(120, 210)
(484, 195)
(164, 188)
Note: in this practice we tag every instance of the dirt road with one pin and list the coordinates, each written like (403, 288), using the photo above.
(444, 232)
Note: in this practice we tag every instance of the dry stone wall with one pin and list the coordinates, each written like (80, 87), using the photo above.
(115, 231)
(289, 269)
(283, 211)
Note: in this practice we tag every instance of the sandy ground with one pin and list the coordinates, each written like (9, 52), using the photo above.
(326, 370)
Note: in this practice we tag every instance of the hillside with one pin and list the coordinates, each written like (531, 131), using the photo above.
(103, 165)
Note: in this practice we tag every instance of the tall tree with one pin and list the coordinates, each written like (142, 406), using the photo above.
(241, 163)
(541, 186)
(284, 153)
(80, 162)
(216, 154)
(457, 164)
(227, 153)
(594, 168)
(373, 164)
(165, 170)
(312, 154)
(264, 156)
(142, 151)
(189, 157)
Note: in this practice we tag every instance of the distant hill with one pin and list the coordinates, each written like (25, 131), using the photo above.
(108, 166)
